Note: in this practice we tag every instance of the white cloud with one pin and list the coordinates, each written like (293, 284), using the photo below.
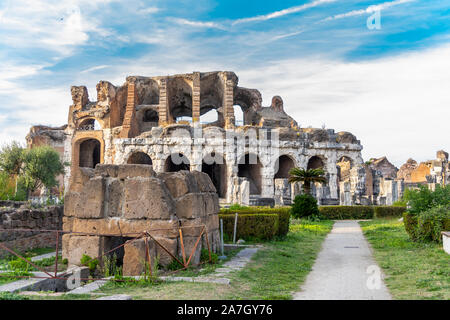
(283, 12)
(368, 10)
(199, 24)
(396, 106)
(95, 68)
(53, 25)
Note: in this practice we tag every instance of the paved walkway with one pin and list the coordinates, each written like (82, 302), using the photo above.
(341, 269)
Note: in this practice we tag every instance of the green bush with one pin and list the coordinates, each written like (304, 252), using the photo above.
(346, 212)
(388, 211)
(304, 205)
(259, 226)
(283, 213)
(410, 223)
(432, 222)
(423, 198)
(204, 257)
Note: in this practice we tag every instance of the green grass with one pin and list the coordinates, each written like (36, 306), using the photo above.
(275, 272)
(413, 270)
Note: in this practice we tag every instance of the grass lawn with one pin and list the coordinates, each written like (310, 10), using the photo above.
(275, 272)
(413, 270)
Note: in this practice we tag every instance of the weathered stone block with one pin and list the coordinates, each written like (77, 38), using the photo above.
(134, 260)
(135, 170)
(147, 198)
(93, 197)
(171, 245)
(204, 182)
(189, 244)
(191, 206)
(75, 246)
(114, 199)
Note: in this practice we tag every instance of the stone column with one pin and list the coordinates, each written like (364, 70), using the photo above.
(129, 126)
(196, 97)
(163, 108)
(228, 99)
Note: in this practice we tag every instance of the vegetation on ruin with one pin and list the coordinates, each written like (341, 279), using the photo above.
(413, 270)
(30, 169)
(307, 177)
(275, 272)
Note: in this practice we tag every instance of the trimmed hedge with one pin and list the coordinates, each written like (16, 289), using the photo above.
(346, 212)
(284, 214)
(251, 226)
(360, 212)
(388, 211)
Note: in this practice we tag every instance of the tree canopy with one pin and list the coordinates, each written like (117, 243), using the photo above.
(307, 177)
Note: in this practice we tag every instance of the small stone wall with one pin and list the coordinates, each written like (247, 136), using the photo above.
(11, 217)
(115, 203)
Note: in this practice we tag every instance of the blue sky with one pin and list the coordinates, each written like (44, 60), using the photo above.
(388, 86)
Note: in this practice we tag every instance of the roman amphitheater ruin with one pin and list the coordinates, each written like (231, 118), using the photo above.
(158, 121)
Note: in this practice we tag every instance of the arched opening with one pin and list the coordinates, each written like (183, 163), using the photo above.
(210, 116)
(250, 167)
(283, 165)
(238, 115)
(344, 164)
(140, 158)
(89, 125)
(315, 163)
(215, 167)
(177, 162)
(180, 99)
(89, 153)
(150, 115)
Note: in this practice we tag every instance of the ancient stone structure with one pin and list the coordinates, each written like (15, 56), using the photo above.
(20, 216)
(112, 204)
(158, 121)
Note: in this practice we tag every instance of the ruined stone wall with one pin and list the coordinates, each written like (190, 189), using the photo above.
(123, 201)
(11, 217)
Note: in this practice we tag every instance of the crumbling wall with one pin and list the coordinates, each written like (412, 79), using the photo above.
(125, 200)
(24, 218)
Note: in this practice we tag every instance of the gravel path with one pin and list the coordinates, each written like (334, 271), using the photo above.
(344, 268)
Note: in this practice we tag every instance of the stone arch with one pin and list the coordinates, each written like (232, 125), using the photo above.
(89, 124)
(89, 153)
(250, 167)
(180, 98)
(176, 162)
(214, 165)
(282, 166)
(211, 92)
(139, 158)
(316, 162)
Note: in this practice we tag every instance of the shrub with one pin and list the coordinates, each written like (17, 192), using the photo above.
(204, 257)
(422, 199)
(432, 222)
(410, 223)
(304, 205)
(346, 212)
(89, 262)
(284, 214)
(388, 211)
(251, 226)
